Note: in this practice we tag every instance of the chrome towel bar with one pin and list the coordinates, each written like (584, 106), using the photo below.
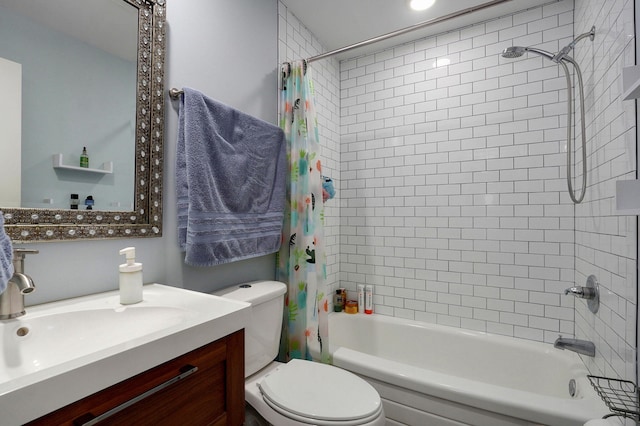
(175, 93)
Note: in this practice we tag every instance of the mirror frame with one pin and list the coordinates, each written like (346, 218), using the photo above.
(35, 224)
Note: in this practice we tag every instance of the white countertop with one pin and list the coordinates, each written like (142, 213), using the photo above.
(113, 353)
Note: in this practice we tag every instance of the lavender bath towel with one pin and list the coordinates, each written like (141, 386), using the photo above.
(6, 257)
(230, 182)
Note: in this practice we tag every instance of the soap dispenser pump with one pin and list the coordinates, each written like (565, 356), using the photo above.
(130, 278)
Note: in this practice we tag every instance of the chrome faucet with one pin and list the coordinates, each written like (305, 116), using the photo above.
(581, 292)
(590, 292)
(12, 299)
(583, 347)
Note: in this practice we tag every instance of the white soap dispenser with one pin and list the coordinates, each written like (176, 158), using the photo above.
(130, 278)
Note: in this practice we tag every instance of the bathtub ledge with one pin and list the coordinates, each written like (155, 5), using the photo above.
(518, 403)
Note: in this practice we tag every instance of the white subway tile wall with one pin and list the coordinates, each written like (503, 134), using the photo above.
(606, 243)
(452, 175)
(296, 42)
(454, 200)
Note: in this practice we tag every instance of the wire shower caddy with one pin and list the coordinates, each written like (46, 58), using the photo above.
(621, 396)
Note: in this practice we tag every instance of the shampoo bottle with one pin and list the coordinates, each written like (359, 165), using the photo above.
(368, 299)
(130, 278)
(361, 298)
(338, 301)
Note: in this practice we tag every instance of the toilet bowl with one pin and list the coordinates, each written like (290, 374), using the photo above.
(299, 392)
(309, 393)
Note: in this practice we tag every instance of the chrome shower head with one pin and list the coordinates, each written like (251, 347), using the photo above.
(513, 52)
(517, 51)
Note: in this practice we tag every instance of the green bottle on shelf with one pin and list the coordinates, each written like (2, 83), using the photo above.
(84, 158)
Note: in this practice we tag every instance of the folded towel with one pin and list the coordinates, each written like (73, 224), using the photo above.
(230, 182)
(6, 257)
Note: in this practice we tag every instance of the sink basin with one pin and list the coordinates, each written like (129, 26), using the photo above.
(91, 336)
(37, 342)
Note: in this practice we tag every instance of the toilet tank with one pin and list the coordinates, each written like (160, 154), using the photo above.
(262, 335)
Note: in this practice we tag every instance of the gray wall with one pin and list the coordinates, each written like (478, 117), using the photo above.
(228, 50)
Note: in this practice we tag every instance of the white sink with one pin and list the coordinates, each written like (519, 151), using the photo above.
(70, 349)
(35, 343)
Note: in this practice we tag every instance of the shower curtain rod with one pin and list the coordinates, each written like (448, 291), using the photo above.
(408, 29)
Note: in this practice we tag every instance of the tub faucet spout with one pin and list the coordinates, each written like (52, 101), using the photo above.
(583, 347)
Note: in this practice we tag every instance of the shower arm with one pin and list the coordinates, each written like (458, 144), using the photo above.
(576, 200)
(565, 50)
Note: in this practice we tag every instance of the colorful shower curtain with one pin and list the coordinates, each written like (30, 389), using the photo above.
(301, 260)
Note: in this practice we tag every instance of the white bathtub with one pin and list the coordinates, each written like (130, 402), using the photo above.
(436, 375)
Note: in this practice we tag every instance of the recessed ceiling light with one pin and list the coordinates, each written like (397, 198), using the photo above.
(421, 4)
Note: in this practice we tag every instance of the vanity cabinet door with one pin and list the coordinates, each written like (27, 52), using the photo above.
(171, 393)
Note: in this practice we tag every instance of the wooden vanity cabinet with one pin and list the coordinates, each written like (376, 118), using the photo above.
(212, 395)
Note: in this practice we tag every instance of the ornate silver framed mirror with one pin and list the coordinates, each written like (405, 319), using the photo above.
(143, 218)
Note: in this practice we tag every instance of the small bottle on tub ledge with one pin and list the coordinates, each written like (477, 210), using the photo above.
(368, 299)
(351, 307)
(338, 301)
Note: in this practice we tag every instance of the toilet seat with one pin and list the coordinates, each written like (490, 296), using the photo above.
(320, 394)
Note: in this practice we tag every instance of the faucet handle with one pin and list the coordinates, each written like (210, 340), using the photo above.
(576, 291)
(582, 292)
(21, 252)
(590, 292)
(18, 257)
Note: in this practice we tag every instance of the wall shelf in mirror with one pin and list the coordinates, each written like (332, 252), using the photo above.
(58, 163)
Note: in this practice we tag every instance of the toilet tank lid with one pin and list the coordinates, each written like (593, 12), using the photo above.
(254, 292)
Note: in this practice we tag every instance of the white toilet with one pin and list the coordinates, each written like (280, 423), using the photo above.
(298, 392)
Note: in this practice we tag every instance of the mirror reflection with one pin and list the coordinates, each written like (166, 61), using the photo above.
(78, 93)
(82, 118)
